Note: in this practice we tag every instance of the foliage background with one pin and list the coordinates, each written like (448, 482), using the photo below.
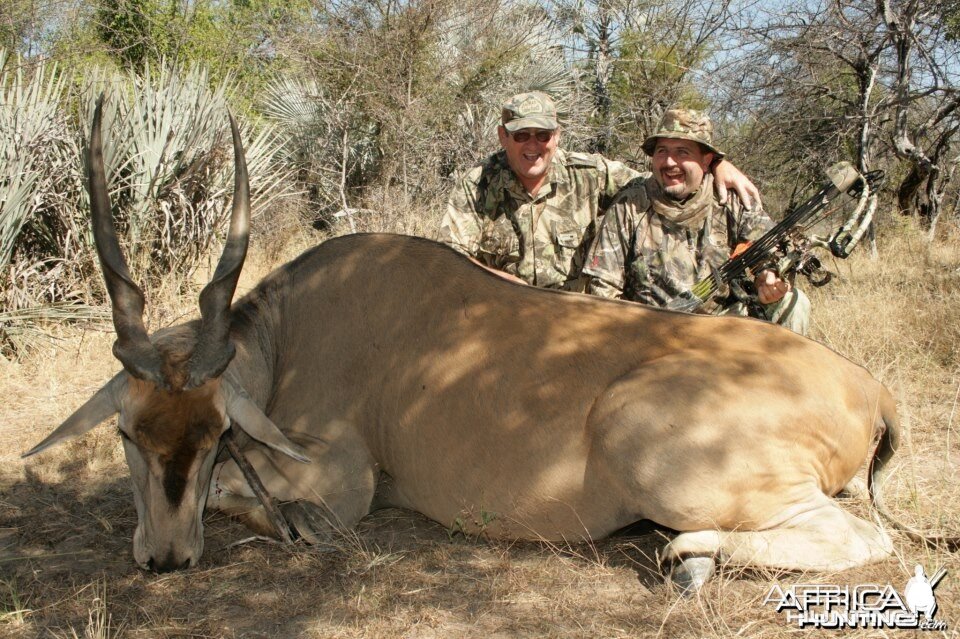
(359, 114)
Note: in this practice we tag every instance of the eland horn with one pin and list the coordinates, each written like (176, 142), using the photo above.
(214, 350)
(133, 348)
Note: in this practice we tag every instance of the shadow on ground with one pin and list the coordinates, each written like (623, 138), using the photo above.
(66, 570)
(65, 553)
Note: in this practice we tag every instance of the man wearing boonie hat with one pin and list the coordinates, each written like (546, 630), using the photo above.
(663, 234)
(530, 210)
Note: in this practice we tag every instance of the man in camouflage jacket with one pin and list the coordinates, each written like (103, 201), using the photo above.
(664, 233)
(531, 209)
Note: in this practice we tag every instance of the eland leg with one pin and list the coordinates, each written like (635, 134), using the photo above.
(320, 499)
(822, 537)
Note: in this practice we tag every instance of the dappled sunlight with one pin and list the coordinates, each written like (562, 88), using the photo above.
(481, 396)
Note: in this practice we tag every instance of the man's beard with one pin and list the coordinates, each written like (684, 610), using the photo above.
(678, 192)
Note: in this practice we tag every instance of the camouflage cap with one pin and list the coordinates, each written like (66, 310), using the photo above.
(683, 124)
(534, 110)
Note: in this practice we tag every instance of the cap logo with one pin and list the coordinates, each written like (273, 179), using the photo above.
(529, 106)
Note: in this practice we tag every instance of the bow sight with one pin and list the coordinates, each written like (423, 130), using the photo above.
(788, 248)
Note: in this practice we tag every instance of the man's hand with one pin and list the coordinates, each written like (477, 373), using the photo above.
(726, 176)
(501, 274)
(770, 288)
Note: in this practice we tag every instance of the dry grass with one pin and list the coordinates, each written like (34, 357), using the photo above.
(898, 317)
(66, 518)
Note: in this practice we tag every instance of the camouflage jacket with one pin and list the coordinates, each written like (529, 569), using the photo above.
(639, 255)
(540, 238)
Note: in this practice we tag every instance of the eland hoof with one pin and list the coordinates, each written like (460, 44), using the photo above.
(309, 523)
(690, 574)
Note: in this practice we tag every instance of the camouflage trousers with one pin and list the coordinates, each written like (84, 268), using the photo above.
(793, 311)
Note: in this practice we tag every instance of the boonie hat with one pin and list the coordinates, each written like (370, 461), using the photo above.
(533, 110)
(683, 124)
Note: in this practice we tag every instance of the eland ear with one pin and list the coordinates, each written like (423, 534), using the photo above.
(253, 421)
(104, 404)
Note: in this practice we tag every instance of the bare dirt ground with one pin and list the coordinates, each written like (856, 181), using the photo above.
(67, 516)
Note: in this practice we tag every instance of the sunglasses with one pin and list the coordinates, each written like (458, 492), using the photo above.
(543, 135)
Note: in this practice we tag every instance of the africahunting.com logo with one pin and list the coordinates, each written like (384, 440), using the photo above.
(862, 606)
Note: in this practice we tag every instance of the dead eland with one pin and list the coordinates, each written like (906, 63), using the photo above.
(383, 370)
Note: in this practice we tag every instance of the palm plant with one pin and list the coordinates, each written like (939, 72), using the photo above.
(330, 147)
(40, 226)
(37, 159)
(42, 240)
(170, 173)
(169, 168)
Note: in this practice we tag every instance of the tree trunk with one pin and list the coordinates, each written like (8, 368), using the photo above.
(603, 66)
(907, 199)
(935, 189)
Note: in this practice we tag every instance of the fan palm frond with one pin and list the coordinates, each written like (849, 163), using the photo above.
(169, 166)
(35, 146)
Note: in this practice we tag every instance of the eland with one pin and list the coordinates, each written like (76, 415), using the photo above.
(381, 370)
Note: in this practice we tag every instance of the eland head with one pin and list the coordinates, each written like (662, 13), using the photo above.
(174, 397)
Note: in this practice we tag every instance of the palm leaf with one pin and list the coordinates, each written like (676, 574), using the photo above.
(35, 146)
(170, 169)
